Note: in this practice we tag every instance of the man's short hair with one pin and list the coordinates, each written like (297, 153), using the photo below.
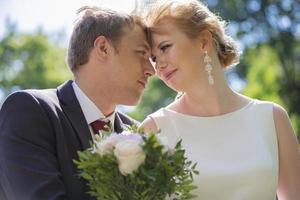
(91, 23)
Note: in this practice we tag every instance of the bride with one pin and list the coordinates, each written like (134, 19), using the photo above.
(245, 148)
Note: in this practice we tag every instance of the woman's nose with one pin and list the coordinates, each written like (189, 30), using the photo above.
(160, 64)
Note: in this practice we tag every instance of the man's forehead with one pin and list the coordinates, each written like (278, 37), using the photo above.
(141, 42)
(145, 45)
(137, 36)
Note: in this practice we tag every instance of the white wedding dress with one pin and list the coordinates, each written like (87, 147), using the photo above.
(237, 152)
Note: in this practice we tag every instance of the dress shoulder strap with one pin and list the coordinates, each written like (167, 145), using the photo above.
(166, 125)
(264, 113)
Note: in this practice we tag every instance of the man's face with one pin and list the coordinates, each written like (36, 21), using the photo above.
(130, 67)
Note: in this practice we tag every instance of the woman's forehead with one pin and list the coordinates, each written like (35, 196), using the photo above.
(162, 31)
(164, 27)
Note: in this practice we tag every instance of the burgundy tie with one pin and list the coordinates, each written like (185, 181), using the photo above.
(99, 125)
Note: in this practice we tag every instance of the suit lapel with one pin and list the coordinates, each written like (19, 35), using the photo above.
(119, 126)
(72, 109)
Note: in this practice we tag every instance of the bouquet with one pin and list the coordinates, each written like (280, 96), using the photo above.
(135, 166)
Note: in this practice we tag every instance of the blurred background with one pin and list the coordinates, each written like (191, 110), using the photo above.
(34, 35)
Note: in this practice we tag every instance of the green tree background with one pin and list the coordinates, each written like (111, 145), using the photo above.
(268, 32)
(30, 61)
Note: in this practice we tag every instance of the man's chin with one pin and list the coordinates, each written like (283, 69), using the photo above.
(132, 101)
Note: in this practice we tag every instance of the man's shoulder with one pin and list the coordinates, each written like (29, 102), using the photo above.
(31, 97)
(47, 95)
(36, 94)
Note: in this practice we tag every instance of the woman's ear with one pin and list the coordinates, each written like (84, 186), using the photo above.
(102, 47)
(206, 40)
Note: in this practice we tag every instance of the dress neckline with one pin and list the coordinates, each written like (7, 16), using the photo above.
(225, 115)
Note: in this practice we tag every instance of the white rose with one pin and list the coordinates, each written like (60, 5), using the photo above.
(172, 197)
(106, 145)
(163, 140)
(130, 156)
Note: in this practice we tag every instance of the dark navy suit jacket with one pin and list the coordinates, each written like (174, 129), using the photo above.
(40, 134)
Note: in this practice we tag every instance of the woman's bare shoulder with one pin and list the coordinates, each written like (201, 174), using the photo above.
(149, 125)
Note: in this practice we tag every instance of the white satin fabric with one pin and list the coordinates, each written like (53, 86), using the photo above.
(237, 152)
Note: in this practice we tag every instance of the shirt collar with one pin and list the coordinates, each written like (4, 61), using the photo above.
(90, 111)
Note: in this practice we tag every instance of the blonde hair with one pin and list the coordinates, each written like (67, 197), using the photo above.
(192, 17)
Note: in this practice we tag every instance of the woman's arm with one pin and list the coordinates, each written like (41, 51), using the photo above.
(289, 157)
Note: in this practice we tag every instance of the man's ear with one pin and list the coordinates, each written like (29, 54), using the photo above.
(206, 40)
(102, 47)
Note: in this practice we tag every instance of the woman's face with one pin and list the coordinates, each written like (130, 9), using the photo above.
(177, 58)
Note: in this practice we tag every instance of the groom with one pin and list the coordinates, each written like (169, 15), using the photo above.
(42, 130)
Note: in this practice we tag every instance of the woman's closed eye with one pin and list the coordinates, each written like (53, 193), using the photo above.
(165, 47)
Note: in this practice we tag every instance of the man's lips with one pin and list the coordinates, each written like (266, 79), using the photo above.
(168, 75)
(143, 83)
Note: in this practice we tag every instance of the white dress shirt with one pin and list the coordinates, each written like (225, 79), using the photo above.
(90, 111)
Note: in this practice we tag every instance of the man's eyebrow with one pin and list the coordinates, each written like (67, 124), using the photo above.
(145, 46)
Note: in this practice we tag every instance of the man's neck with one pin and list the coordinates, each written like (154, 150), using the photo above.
(98, 96)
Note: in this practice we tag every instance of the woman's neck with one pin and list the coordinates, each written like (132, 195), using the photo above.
(210, 100)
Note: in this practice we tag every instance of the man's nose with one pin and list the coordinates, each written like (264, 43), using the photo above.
(149, 69)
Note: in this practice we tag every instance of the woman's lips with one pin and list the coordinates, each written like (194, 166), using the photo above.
(169, 74)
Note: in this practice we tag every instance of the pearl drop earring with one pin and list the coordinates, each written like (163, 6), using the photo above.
(208, 68)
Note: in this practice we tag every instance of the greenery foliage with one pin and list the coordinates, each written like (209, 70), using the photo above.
(30, 61)
(263, 75)
(156, 95)
(263, 79)
(162, 173)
